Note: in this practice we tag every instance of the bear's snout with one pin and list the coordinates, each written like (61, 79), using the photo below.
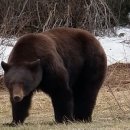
(17, 94)
(17, 98)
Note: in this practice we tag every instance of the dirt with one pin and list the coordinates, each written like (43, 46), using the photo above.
(2, 86)
(118, 77)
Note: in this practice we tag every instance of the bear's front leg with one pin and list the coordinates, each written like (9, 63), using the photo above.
(20, 110)
(56, 84)
(63, 105)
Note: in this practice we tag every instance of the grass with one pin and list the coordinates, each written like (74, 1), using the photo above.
(112, 110)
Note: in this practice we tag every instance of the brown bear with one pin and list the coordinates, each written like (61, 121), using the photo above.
(66, 63)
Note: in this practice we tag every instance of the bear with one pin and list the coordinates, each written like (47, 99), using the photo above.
(68, 64)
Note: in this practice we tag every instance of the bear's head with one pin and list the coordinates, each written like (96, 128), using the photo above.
(22, 79)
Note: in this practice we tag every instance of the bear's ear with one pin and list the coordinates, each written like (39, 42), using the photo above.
(5, 66)
(35, 65)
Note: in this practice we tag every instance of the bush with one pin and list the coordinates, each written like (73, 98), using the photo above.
(22, 16)
(120, 8)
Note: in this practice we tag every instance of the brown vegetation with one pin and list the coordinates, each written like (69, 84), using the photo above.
(18, 17)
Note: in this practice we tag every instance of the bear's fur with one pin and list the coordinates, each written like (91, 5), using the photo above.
(66, 63)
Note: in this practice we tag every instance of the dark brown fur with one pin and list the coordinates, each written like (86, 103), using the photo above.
(73, 68)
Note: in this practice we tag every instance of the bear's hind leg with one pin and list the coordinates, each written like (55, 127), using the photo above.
(86, 89)
(84, 102)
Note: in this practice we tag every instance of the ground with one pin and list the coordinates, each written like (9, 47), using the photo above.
(112, 110)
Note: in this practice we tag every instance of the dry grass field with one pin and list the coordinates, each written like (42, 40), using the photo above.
(112, 110)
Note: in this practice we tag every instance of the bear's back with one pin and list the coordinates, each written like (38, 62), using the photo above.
(74, 46)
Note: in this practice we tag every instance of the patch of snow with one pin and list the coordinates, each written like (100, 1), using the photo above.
(6, 45)
(117, 48)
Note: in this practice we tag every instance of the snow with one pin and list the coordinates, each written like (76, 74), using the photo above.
(117, 48)
(5, 49)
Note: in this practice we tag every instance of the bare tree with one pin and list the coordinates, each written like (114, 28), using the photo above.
(22, 16)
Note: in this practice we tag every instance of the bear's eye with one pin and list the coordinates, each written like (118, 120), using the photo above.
(21, 83)
(8, 84)
(11, 83)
